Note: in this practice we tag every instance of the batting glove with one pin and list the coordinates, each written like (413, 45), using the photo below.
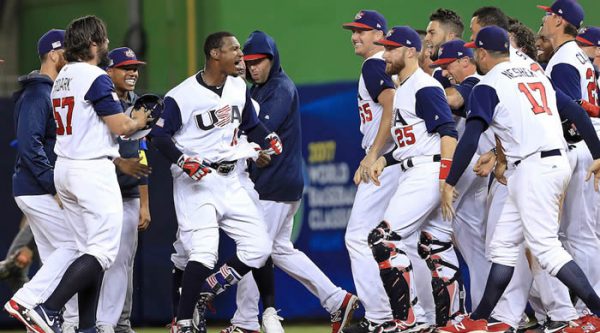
(193, 166)
(274, 143)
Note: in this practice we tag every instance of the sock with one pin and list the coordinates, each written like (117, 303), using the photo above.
(265, 281)
(497, 282)
(177, 276)
(81, 274)
(190, 288)
(87, 300)
(574, 278)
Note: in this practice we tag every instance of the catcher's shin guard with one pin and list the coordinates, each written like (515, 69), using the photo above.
(394, 270)
(448, 292)
(224, 278)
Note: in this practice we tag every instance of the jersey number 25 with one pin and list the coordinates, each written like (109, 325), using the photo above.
(62, 103)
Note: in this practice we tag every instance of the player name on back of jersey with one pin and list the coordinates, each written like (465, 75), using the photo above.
(517, 72)
(62, 84)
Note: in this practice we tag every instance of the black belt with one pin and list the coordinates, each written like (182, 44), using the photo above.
(223, 168)
(409, 163)
(544, 154)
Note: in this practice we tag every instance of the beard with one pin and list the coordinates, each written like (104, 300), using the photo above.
(103, 58)
(394, 68)
(479, 70)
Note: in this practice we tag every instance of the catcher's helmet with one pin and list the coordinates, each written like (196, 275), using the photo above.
(153, 104)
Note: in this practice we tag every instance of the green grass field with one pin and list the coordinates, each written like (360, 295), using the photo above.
(296, 328)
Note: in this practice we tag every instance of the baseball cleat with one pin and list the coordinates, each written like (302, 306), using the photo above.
(363, 326)
(235, 329)
(38, 319)
(271, 322)
(341, 317)
(585, 324)
(551, 326)
(498, 327)
(466, 324)
(185, 326)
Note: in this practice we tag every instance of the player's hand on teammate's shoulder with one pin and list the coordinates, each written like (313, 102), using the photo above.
(132, 167)
(448, 195)
(376, 170)
(193, 166)
(594, 169)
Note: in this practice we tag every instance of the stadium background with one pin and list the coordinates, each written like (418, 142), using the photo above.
(169, 34)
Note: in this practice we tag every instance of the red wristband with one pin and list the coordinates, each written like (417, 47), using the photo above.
(445, 165)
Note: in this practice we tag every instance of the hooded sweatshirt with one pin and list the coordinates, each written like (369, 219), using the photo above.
(278, 98)
(36, 136)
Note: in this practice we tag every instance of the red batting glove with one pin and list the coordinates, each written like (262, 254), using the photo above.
(275, 144)
(591, 109)
(193, 166)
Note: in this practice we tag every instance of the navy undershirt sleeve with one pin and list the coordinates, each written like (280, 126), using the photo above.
(431, 105)
(103, 96)
(442, 79)
(465, 88)
(567, 78)
(375, 78)
(162, 132)
(466, 148)
(482, 103)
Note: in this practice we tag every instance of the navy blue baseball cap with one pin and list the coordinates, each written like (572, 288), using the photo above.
(401, 36)
(51, 40)
(569, 10)
(367, 20)
(452, 51)
(123, 56)
(589, 36)
(491, 38)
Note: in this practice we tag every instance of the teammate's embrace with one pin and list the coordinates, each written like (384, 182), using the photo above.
(198, 133)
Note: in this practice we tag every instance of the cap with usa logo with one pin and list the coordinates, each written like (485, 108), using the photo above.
(492, 38)
(400, 36)
(123, 56)
(452, 51)
(51, 40)
(367, 20)
(589, 36)
(569, 10)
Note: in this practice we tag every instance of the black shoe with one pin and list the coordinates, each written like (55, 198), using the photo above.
(551, 326)
(363, 326)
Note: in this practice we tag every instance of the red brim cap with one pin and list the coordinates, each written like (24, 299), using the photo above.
(256, 56)
(356, 25)
(471, 45)
(584, 41)
(441, 62)
(546, 8)
(129, 62)
(387, 42)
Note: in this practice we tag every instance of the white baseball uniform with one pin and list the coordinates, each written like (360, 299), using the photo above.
(573, 73)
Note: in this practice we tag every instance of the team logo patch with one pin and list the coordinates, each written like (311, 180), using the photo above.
(390, 33)
(358, 15)
(129, 53)
(223, 116)
(56, 45)
(440, 52)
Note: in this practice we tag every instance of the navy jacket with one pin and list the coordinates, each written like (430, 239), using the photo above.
(36, 136)
(279, 111)
(129, 149)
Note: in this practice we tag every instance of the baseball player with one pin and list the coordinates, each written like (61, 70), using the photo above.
(33, 181)
(540, 169)
(279, 185)
(444, 25)
(588, 40)
(375, 98)
(544, 50)
(114, 306)
(554, 295)
(88, 115)
(425, 137)
(199, 136)
(522, 38)
(572, 72)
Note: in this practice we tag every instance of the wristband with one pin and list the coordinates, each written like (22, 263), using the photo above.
(445, 165)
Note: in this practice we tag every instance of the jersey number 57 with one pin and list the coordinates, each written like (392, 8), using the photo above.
(62, 104)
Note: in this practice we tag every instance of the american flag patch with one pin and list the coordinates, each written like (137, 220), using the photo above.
(223, 116)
